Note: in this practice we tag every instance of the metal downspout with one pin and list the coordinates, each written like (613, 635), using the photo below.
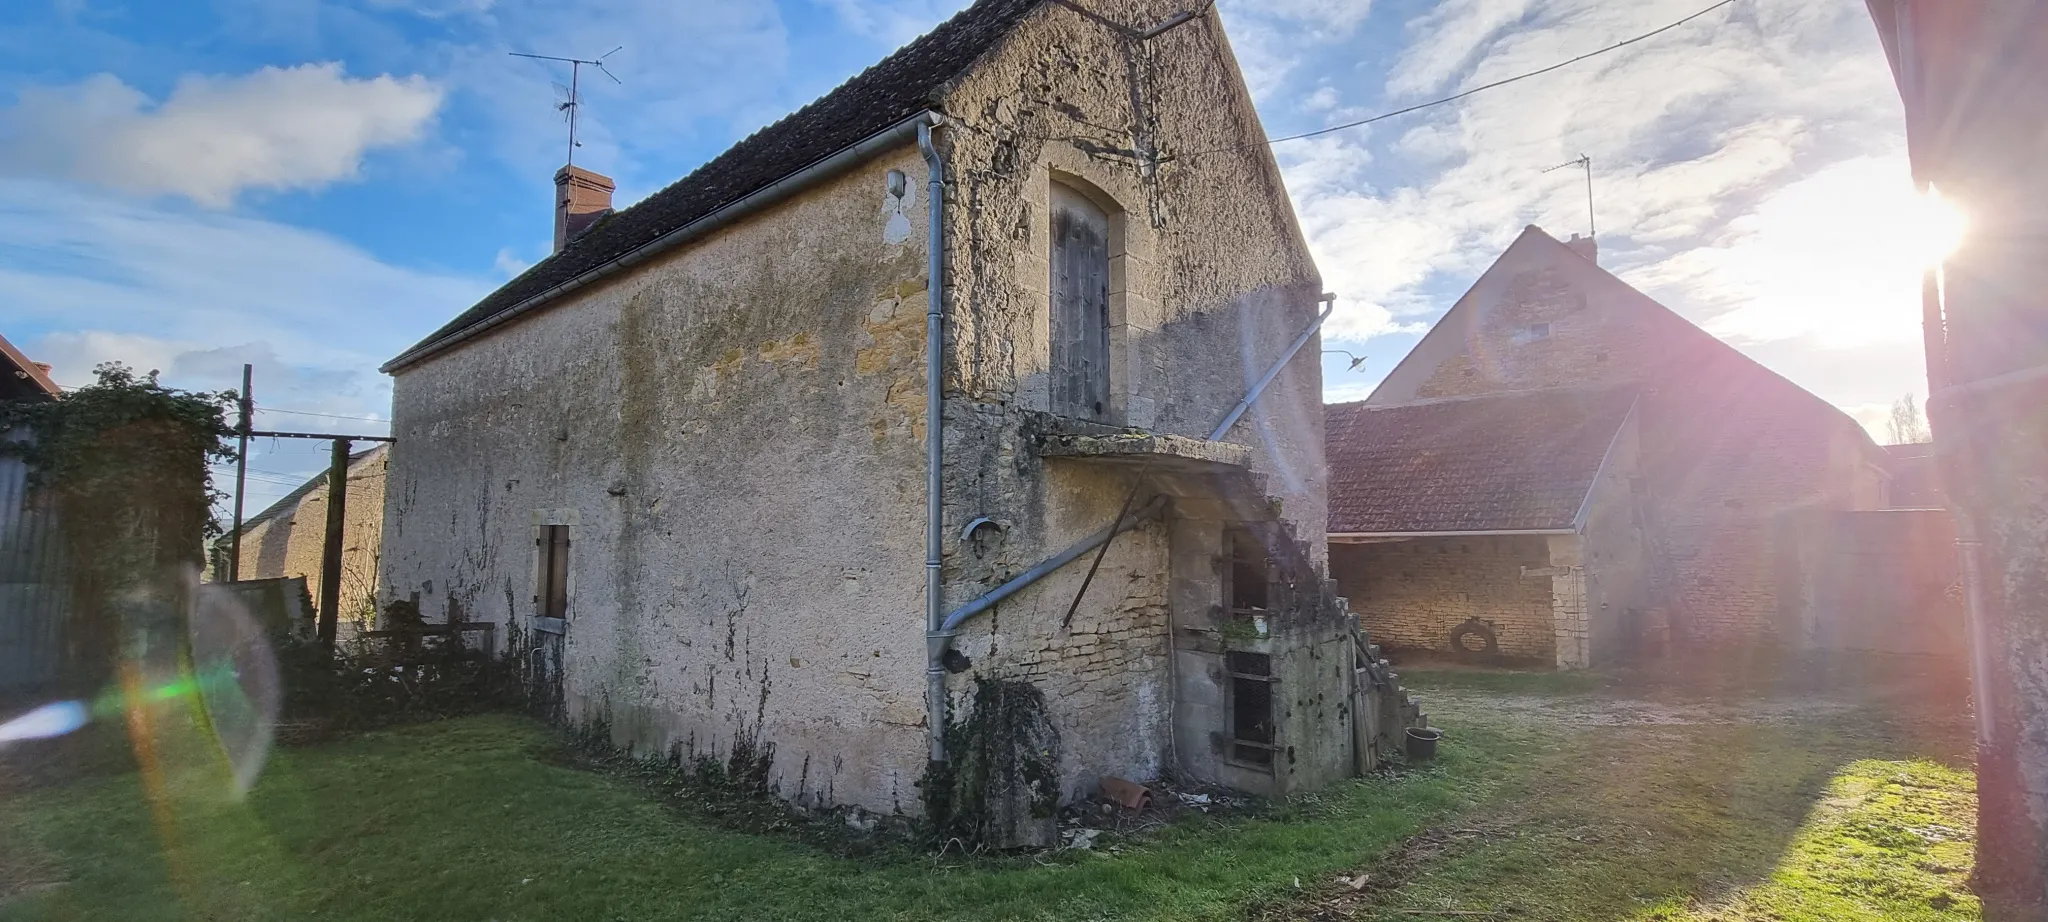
(935, 635)
(944, 632)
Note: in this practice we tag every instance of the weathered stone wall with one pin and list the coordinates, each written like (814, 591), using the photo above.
(1210, 280)
(1414, 593)
(1615, 556)
(290, 541)
(734, 434)
(1886, 581)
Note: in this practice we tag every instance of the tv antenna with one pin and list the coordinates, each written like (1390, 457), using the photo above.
(1585, 163)
(575, 100)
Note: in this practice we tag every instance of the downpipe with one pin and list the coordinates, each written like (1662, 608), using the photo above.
(935, 634)
(939, 638)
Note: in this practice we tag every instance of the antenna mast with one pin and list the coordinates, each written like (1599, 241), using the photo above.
(1585, 163)
(575, 88)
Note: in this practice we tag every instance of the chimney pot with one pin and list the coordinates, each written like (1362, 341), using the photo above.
(1585, 246)
(582, 198)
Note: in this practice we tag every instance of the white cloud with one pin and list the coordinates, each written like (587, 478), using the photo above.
(214, 137)
(1689, 133)
(178, 283)
(436, 9)
(1833, 259)
(894, 22)
(508, 263)
(1271, 38)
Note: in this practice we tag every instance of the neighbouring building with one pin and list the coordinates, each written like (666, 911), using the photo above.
(1504, 527)
(34, 593)
(1723, 449)
(286, 539)
(684, 459)
(1915, 481)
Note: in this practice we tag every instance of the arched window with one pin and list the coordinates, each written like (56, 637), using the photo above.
(1080, 305)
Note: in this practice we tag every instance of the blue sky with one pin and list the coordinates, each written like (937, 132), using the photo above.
(311, 185)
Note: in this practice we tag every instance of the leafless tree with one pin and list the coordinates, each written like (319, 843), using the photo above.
(1907, 425)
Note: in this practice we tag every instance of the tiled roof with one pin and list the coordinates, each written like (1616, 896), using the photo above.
(21, 378)
(1509, 462)
(898, 87)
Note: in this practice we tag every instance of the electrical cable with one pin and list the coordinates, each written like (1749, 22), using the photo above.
(367, 419)
(1477, 89)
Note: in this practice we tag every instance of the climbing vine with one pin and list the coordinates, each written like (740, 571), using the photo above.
(123, 464)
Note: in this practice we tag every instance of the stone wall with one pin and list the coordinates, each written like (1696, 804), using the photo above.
(1615, 555)
(1413, 593)
(1887, 581)
(734, 434)
(290, 538)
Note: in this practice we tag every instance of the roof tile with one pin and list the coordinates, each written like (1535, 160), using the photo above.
(1496, 463)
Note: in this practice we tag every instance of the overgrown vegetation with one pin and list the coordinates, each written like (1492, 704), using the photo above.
(124, 464)
(393, 680)
(1000, 786)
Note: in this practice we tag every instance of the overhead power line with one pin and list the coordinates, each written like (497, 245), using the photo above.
(1483, 88)
(367, 419)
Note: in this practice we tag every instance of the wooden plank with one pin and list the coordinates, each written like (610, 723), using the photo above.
(1079, 284)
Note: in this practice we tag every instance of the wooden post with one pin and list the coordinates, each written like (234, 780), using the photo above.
(245, 406)
(330, 553)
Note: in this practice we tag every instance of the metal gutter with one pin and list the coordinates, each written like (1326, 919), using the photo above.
(1061, 559)
(934, 442)
(900, 133)
(1230, 419)
(1354, 535)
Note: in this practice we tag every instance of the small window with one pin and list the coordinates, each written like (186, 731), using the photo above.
(553, 585)
(1532, 333)
(1080, 305)
(1251, 580)
(1251, 708)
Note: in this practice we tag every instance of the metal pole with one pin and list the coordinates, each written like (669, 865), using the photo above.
(330, 554)
(1592, 229)
(244, 407)
(935, 637)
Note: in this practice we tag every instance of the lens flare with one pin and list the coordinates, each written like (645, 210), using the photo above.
(50, 720)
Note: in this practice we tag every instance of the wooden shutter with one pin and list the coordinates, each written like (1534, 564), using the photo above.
(1080, 306)
(555, 572)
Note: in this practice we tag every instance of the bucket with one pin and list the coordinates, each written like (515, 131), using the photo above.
(1422, 743)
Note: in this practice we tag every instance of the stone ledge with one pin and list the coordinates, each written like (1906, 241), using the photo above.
(1147, 448)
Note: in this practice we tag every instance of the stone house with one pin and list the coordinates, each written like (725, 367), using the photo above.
(286, 538)
(732, 499)
(1725, 448)
(1501, 526)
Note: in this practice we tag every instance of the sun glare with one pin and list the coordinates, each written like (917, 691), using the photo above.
(1938, 227)
(1835, 257)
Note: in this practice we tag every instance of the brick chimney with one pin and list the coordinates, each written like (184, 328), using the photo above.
(1584, 246)
(581, 199)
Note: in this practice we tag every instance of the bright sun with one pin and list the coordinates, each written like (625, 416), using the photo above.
(1937, 228)
(1835, 257)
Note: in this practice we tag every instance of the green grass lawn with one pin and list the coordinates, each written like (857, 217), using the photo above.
(1833, 815)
